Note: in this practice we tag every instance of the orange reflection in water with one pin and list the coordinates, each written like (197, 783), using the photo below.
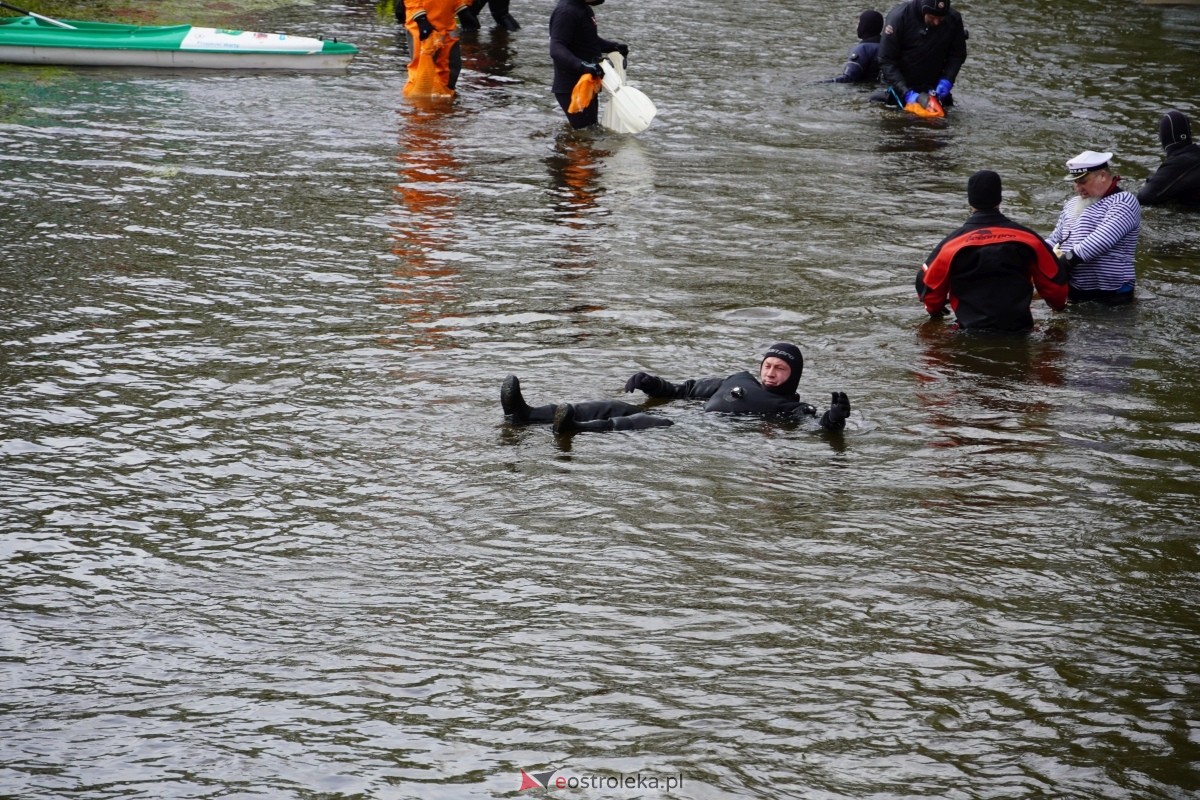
(424, 283)
(981, 389)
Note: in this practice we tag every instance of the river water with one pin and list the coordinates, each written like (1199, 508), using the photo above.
(266, 535)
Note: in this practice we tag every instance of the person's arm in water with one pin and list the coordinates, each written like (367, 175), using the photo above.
(839, 409)
(692, 389)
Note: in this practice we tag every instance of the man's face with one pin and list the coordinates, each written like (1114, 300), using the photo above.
(1093, 184)
(933, 20)
(774, 372)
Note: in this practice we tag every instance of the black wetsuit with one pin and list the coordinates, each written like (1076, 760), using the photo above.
(738, 394)
(863, 64)
(913, 55)
(574, 39)
(1177, 179)
(500, 13)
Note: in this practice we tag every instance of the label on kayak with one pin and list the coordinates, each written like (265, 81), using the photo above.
(247, 41)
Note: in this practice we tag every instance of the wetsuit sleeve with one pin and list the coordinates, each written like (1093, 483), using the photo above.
(608, 45)
(853, 71)
(654, 386)
(958, 53)
(562, 29)
(933, 282)
(1171, 180)
(889, 51)
(572, 39)
(1152, 190)
(1049, 278)
(698, 388)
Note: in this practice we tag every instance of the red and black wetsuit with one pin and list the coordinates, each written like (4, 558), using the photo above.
(986, 271)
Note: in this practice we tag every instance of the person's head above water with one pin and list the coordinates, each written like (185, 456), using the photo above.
(780, 369)
(983, 190)
(1174, 129)
(934, 11)
(870, 24)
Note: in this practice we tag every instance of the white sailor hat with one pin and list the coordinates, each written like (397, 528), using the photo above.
(1085, 162)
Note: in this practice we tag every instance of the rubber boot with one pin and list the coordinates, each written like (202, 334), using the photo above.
(512, 402)
(566, 422)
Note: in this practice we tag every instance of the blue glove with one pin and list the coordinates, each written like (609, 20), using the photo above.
(911, 96)
(943, 88)
(424, 26)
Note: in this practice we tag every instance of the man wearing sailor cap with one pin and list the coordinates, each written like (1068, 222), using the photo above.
(1097, 232)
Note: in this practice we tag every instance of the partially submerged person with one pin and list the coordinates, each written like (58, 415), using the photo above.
(576, 48)
(862, 65)
(500, 14)
(772, 394)
(987, 269)
(923, 47)
(1097, 232)
(1177, 179)
(424, 18)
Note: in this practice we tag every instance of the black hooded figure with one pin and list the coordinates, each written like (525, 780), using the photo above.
(1178, 177)
(772, 394)
(500, 13)
(576, 47)
(862, 65)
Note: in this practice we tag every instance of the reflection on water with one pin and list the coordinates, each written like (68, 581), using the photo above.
(425, 278)
(265, 533)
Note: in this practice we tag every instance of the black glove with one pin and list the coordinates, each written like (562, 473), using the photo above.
(424, 26)
(592, 69)
(623, 49)
(652, 385)
(467, 19)
(839, 408)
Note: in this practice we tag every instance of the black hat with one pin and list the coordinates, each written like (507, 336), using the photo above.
(870, 24)
(939, 8)
(983, 190)
(1174, 129)
(787, 352)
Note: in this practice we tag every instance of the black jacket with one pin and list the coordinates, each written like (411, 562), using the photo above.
(1177, 178)
(915, 56)
(574, 38)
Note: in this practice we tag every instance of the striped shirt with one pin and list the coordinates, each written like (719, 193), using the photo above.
(1103, 238)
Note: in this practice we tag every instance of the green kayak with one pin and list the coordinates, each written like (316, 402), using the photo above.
(40, 40)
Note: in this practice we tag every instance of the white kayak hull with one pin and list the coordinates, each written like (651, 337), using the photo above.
(172, 59)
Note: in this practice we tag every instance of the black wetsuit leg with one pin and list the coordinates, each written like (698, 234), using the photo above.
(584, 119)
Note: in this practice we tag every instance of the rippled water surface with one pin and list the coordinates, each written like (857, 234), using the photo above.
(265, 533)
